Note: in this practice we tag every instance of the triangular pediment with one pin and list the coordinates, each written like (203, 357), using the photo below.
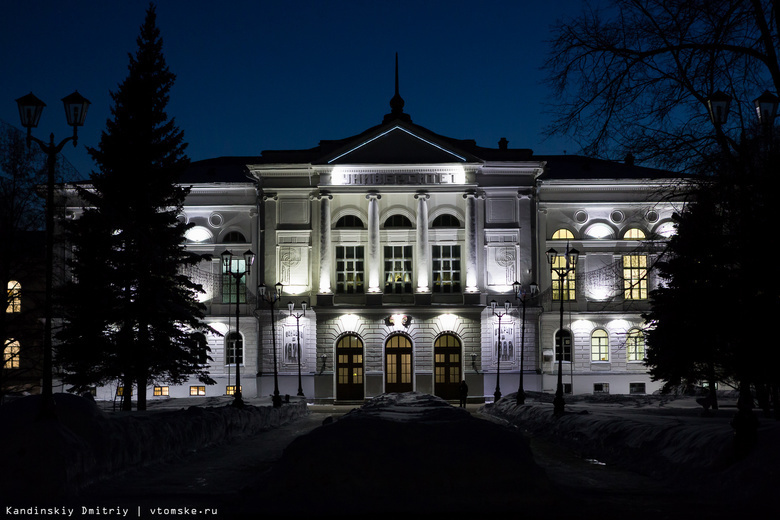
(397, 144)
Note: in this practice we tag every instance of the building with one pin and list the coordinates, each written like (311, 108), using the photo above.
(398, 239)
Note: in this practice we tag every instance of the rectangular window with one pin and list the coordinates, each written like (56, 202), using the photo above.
(600, 388)
(635, 277)
(14, 297)
(636, 388)
(197, 390)
(229, 290)
(349, 269)
(120, 391)
(563, 285)
(398, 269)
(446, 269)
(161, 390)
(231, 389)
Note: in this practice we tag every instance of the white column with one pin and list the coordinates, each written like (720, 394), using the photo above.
(326, 256)
(471, 242)
(374, 257)
(423, 285)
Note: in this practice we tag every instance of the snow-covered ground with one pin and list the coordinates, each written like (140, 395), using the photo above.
(46, 460)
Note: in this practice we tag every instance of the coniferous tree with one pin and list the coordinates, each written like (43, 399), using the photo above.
(132, 316)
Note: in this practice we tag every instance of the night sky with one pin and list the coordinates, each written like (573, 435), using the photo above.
(261, 75)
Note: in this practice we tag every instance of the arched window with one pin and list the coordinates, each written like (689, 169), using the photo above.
(14, 297)
(234, 346)
(11, 354)
(599, 345)
(635, 345)
(563, 234)
(600, 231)
(234, 237)
(634, 234)
(398, 221)
(564, 335)
(350, 221)
(446, 220)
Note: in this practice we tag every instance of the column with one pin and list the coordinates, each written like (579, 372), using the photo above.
(421, 267)
(374, 257)
(326, 256)
(471, 242)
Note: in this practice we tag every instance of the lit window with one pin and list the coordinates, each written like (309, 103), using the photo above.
(234, 344)
(231, 389)
(198, 234)
(634, 234)
(446, 269)
(349, 269)
(599, 231)
(599, 345)
(120, 391)
(350, 221)
(563, 234)
(446, 220)
(11, 354)
(635, 345)
(197, 390)
(635, 277)
(229, 289)
(398, 269)
(14, 297)
(565, 284)
(566, 345)
(398, 221)
(161, 391)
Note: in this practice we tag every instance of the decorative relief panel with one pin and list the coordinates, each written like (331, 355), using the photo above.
(293, 211)
(503, 341)
(293, 267)
(290, 345)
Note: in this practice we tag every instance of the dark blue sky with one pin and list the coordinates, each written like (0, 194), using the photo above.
(259, 75)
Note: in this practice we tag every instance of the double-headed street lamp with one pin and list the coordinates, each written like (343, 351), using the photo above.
(507, 308)
(238, 274)
(570, 256)
(523, 295)
(298, 316)
(30, 110)
(271, 299)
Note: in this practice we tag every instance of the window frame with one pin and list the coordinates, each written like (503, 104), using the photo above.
(637, 337)
(635, 286)
(229, 282)
(359, 269)
(565, 285)
(230, 355)
(451, 259)
(14, 297)
(599, 346)
(394, 285)
(11, 351)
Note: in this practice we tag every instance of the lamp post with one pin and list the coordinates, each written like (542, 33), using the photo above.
(507, 307)
(271, 299)
(571, 256)
(30, 110)
(227, 268)
(523, 296)
(291, 307)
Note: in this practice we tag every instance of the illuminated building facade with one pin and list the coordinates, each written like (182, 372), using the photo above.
(398, 239)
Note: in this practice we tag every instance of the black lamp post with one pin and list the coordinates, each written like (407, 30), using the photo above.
(507, 307)
(523, 296)
(571, 257)
(30, 110)
(271, 299)
(291, 307)
(227, 268)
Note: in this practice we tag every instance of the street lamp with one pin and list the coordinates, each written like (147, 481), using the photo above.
(30, 110)
(227, 268)
(523, 295)
(507, 307)
(271, 299)
(291, 307)
(571, 256)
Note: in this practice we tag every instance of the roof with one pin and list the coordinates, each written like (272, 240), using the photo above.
(578, 167)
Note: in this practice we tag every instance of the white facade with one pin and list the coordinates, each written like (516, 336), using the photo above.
(398, 239)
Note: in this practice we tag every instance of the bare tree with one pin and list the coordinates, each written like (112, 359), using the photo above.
(636, 76)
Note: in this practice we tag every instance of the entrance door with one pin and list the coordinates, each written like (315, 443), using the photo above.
(398, 364)
(447, 366)
(349, 368)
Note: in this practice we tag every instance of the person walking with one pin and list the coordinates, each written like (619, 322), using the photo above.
(463, 390)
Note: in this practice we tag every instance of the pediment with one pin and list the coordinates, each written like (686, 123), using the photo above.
(397, 144)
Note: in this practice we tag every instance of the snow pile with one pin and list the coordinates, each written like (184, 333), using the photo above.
(403, 453)
(47, 459)
(675, 443)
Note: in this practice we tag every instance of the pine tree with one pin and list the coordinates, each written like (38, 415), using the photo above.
(132, 316)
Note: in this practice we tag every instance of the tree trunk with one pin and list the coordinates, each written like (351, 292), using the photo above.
(127, 393)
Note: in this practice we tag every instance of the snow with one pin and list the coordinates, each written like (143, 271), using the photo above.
(45, 459)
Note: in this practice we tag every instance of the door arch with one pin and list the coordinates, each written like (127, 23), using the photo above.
(349, 368)
(398, 364)
(447, 354)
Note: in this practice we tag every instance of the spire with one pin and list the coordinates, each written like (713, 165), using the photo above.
(397, 102)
